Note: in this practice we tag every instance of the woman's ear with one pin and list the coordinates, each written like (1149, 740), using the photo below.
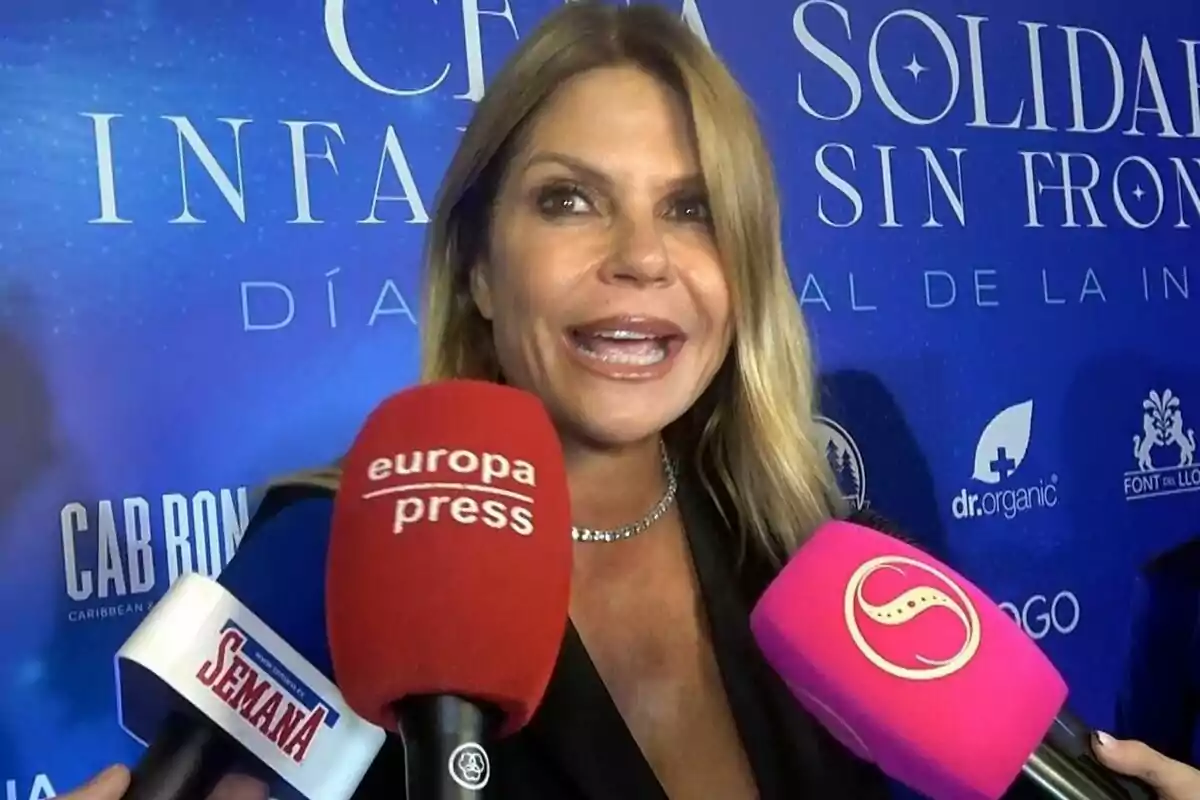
(481, 290)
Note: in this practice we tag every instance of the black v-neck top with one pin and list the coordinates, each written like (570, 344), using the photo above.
(577, 747)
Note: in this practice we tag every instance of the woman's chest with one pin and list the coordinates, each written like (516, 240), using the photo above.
(651, 647)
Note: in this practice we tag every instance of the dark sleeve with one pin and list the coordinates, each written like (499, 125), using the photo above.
(386, 776)
(875, 521)
(1157, 702)
(1021, 790)
(278, 498)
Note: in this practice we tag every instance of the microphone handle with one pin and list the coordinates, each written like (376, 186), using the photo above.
(185, 761)
(1065, 767)
(445, 755)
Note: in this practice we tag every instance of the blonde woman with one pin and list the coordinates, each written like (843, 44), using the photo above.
(608, 238)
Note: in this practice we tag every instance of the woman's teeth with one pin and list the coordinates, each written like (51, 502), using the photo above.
(623, 347)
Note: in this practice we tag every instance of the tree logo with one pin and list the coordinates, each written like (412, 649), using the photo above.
(845, 460)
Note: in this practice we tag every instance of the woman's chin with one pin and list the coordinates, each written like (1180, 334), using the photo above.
(618, 428)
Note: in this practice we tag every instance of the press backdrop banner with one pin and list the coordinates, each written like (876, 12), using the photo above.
(210, 226)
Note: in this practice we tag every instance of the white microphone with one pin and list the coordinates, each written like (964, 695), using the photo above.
(201, 650)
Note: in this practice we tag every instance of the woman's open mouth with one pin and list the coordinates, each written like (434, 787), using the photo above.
(627, 347)
(622, 347)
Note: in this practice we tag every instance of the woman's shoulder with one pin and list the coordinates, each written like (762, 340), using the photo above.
(767, 570)
(868, 518)
(292, 488)
(317, 479)
(1180, 564)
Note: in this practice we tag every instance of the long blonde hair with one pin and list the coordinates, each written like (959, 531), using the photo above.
(751, 434)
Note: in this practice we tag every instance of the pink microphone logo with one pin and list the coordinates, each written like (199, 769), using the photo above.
(910, 619)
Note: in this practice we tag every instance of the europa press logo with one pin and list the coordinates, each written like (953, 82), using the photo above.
(845, 460)
(471, 496)
(999, 454)
(1164, 451)
(888, 594)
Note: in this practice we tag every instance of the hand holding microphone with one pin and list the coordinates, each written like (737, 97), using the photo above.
(107, 785)
(112, 783)
(911, 667)
(233, 676)
(449, 573)
(1173, 780)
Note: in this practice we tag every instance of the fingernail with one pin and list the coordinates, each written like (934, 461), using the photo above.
(1104, 739)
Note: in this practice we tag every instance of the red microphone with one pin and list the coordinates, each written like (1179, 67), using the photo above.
(449, 574)
(913, 668)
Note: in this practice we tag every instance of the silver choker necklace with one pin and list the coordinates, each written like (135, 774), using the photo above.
(634, 528)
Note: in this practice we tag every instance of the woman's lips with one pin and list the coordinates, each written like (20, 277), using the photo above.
(626, 347)
(631, 324)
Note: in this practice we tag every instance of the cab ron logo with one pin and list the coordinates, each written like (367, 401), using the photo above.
(889, 593)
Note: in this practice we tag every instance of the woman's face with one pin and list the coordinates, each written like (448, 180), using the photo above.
(602, 280)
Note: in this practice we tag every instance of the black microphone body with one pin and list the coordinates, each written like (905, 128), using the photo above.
(445, 755)
(184, 762)
(1064, 767)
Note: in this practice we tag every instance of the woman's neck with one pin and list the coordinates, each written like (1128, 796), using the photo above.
(613, 487)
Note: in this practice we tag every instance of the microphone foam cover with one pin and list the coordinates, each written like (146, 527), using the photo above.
(450, 558)
(907, 663)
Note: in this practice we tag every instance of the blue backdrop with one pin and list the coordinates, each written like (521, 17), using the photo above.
(991, 215)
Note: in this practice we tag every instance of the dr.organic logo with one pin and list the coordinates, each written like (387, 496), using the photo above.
(471, 497)
(999, 454)
(913, 590)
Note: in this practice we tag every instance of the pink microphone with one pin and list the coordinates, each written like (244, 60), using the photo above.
(913, 668)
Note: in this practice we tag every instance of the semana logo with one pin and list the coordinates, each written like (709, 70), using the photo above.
(999, 454)
(845, 460)
(471, 497)
(915, 588)
(1164, 451)
(245, 676)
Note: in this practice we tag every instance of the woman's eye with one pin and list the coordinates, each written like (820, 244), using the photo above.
(561, 201)
(694, 209)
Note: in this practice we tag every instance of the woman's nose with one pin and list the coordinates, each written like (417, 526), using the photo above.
(639, 254)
